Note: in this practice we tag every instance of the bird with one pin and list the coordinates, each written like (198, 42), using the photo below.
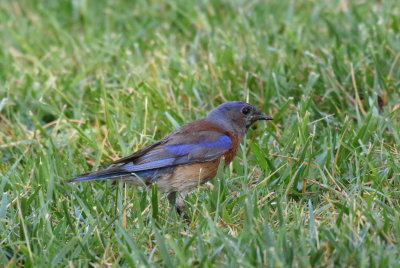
(188, 156)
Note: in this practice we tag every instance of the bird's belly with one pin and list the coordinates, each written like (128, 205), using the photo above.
(177, 179)
(186, 177)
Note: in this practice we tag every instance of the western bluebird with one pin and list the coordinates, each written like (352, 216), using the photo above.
(188, 156)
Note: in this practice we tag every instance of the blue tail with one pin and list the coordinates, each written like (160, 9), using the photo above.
(88, 177)
(101, 174)
(112, 173)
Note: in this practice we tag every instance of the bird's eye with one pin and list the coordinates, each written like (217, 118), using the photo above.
(246, 110)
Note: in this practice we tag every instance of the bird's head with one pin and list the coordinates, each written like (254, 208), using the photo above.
(236, 116)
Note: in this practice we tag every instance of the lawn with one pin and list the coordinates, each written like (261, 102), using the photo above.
(84, 82)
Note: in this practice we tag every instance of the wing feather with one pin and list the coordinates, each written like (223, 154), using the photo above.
(192, 143)
(199, 141)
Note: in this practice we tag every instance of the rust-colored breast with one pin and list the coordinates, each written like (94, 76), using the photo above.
(231, 153)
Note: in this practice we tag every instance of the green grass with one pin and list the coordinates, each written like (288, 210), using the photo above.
(85, 82)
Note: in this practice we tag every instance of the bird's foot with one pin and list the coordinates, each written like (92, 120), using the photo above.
(177, 200)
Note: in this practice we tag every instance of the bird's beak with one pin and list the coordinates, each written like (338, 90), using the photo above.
(264, 117)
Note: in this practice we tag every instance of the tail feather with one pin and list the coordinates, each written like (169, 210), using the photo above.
(101, 174)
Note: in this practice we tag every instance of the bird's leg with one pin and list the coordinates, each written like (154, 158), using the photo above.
(180, 205)
(171, 198)
(178, 201)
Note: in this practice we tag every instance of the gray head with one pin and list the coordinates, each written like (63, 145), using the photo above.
(236, 116)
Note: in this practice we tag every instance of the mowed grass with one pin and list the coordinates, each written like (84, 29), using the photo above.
(85, 82)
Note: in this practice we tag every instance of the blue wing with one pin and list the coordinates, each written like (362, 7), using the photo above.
(182, 153)
(181, 147)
